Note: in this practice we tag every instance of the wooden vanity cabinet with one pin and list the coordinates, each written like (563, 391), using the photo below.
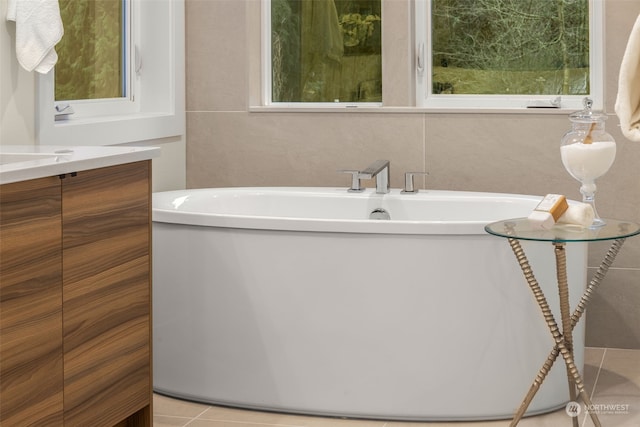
(106, 294)
(104, 299)
(31, 379)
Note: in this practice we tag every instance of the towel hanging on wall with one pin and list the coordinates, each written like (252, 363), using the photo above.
(38, 30)
(628, 100)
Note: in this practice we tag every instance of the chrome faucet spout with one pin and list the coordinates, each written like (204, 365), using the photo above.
(380, 170)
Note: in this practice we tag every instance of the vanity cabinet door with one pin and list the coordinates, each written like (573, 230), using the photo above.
(106, 293)
(31, 303)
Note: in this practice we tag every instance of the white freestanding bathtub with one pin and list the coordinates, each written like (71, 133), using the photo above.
(292, 299)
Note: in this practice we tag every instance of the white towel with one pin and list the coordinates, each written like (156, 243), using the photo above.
(38, 30)
(628, 101)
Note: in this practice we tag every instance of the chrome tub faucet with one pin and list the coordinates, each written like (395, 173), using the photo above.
(378, 169)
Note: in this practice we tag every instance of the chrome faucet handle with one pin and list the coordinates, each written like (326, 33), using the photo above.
(355, 180)
(408, 182)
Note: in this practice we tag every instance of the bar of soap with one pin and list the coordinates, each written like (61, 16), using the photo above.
(548, 211)
(581, 214)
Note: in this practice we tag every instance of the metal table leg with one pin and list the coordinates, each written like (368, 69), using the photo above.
(563, 293)
(564, 340)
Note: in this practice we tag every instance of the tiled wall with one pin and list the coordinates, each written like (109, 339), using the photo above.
(514, 153)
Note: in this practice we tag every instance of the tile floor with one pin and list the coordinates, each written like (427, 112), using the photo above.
(612, 376)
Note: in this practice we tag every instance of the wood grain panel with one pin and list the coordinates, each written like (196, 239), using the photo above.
(31, 361)
(105, 201)
(106, 294)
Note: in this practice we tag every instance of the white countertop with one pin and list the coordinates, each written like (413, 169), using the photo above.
(24, 162)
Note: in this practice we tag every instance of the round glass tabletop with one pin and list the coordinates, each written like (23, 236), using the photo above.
(522, 229)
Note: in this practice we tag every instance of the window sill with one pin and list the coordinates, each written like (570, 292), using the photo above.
(349, 108)
(110, 130)
(80, 120)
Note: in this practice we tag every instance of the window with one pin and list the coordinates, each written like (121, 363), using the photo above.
(94, 50)
(119, 76)
(504, 54)
(322, 52)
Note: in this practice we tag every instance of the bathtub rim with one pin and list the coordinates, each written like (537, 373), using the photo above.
(261, 222)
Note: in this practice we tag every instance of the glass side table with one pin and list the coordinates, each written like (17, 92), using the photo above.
(520, 229)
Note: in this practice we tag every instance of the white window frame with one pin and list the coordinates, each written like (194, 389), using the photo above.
(155, 105)
(508, 103)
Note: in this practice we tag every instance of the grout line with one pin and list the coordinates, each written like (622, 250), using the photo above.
(197, 416)
(244, 423)
(175, 417)
(257, 423)
(595, 383)
(619, 268)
